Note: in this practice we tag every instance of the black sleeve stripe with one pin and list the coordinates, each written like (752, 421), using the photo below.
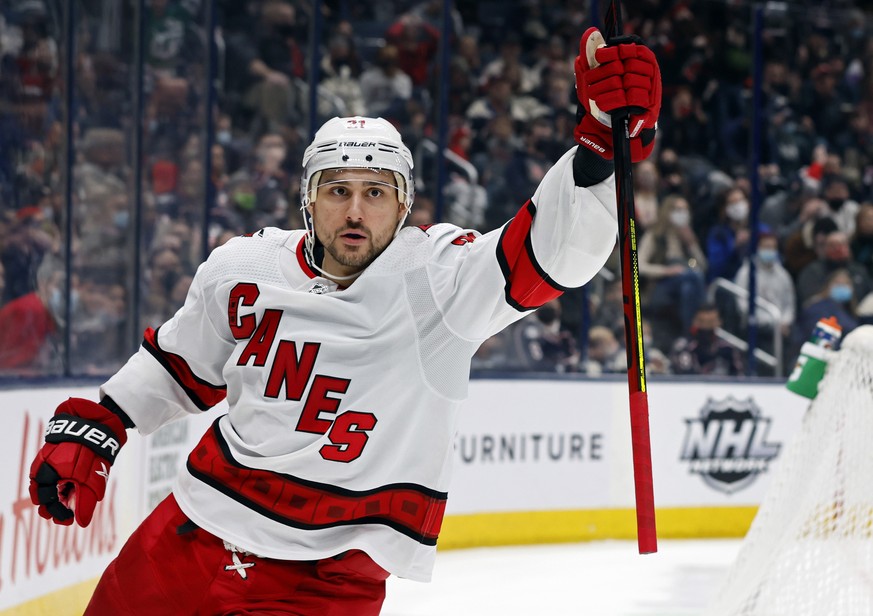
(203, 394)
(112, 406)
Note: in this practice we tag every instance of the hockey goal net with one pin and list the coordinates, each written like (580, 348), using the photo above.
(809, 551)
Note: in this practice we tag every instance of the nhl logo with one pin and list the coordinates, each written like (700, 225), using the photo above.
(727, 445)
(319, 288)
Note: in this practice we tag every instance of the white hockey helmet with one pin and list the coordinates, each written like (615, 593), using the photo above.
(354, 143)
(357, 143)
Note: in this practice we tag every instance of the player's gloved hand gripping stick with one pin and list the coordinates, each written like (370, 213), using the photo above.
(619, 90)
(616, 81)
(69, 474)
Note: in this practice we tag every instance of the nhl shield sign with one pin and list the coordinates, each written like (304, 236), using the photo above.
(727, 445)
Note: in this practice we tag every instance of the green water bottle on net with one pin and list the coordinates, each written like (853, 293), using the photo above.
(813, 358)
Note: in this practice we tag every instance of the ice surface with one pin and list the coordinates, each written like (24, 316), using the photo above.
(604, 578)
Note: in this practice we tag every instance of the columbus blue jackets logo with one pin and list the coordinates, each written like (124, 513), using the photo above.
(727, 445)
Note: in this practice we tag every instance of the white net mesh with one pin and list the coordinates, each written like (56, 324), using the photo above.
(809, 551)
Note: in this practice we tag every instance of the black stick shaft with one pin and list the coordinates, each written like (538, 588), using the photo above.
(639, 406)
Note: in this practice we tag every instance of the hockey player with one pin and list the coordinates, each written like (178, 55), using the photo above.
(343, 351)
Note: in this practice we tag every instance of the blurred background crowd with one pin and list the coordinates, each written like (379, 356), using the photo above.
(133, 142)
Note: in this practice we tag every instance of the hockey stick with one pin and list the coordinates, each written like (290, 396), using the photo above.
(647, 539)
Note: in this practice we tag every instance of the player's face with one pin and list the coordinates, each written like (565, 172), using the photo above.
(355, 214)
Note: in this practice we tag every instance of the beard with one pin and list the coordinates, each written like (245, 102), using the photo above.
(359, 256)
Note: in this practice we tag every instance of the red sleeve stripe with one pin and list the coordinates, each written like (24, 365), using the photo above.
(527, 284)
(204, 395)
(408, 508)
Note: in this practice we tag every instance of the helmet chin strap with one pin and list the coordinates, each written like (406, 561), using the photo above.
(327, 274)
(402, 220)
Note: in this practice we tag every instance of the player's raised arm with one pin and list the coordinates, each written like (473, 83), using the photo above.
(563, 235)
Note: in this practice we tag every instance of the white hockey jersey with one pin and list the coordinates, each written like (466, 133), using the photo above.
(343, 401)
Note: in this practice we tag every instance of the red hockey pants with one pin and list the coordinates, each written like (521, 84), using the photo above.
(170, 567)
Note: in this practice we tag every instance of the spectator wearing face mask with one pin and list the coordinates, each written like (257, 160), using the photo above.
(728, 240)
(670, 171)
(773, 283)
(672, 263)
(836, 299)
(703, 352)
(843, 209)
(805, 244)
(836, 255)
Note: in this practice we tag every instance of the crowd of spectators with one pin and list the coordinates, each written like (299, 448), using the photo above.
(509, 114)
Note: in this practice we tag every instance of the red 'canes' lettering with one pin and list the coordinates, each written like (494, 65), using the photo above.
(261, 341)
(243, 294)
(318, 401)
(348, 435)
(348, 431)
(291, 371)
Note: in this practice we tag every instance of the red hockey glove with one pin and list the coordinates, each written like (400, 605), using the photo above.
(69, 474)
(616, 80)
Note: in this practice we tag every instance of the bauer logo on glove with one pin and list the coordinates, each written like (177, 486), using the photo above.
(69, 475)
(62, 428)
(617, 79)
